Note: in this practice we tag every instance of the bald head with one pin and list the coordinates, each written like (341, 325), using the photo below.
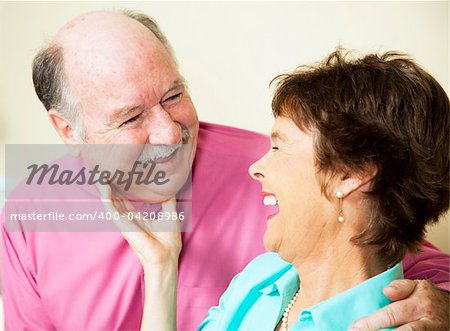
(103, 26)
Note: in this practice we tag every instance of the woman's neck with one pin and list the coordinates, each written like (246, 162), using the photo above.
(336, 271)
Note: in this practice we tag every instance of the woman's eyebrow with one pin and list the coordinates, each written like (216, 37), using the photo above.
(277, 135)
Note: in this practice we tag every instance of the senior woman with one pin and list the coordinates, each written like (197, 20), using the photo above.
(358, 166)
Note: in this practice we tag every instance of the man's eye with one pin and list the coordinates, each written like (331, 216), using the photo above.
(131, 120)
(173, 98)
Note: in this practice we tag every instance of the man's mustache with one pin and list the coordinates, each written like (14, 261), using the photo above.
(152, 153)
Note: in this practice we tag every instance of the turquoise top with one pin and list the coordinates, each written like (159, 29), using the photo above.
(256, 299)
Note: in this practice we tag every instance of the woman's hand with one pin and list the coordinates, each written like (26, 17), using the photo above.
(158, 253)
(153, 247)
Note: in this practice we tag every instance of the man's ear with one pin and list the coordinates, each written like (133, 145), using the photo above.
(352, 182)
(63, 127)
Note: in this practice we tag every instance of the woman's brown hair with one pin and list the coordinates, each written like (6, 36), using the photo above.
(383, 111)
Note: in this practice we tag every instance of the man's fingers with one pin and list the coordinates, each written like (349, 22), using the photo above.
(421, 325)
(425, 308)
(396, 313)
(400, 289)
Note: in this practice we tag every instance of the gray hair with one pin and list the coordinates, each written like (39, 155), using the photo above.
(150, 24)
(49, 81)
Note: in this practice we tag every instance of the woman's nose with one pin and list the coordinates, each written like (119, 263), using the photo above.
(256, 170)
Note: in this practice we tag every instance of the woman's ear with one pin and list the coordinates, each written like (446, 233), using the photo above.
(63, 127)
(352, 182)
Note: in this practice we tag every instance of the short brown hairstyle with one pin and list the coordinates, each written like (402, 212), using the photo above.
(381, 110)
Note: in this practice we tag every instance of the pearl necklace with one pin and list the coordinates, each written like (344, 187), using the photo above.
(284, 320)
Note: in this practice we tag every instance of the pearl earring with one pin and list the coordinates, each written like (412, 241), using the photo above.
(340, 196)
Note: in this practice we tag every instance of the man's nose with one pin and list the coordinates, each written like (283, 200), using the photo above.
(162, 129)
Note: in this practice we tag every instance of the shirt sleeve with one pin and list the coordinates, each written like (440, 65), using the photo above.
(430, 264)
(216, 314)
(22, 305)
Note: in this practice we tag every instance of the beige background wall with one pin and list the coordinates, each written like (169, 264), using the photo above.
(228, 51)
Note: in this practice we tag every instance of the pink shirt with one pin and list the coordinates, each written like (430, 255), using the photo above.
(92, 280)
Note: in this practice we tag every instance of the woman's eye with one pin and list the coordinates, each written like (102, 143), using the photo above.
(274, 148)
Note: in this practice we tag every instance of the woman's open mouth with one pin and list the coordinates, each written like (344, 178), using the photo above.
(270, 201)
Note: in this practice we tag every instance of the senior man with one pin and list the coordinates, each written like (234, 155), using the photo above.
(110, 78)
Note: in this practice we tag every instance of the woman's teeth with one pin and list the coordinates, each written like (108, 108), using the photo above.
(270, 200)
